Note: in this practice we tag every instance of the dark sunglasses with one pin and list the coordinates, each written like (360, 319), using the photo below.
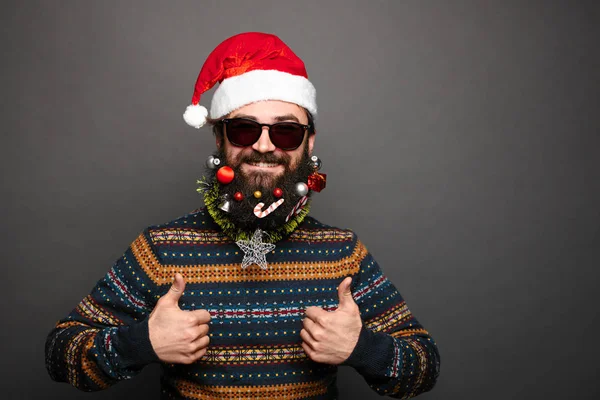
(245, 132)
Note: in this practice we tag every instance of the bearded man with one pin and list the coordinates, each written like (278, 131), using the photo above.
(248, 297)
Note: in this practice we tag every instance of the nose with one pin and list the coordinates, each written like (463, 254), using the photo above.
(264, 144)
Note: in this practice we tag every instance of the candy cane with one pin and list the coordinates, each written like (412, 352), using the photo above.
(297, 208)
(262, 214)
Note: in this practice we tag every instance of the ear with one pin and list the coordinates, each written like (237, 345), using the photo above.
(219, 141)
(311, 142)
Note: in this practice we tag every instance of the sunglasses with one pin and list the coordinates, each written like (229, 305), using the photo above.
(245, 132)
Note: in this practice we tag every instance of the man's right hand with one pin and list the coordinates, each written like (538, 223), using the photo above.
(177, 336)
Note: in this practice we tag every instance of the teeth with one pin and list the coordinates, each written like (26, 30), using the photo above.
(264, 165)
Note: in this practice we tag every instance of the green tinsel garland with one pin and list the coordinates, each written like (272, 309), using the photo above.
(211, 200)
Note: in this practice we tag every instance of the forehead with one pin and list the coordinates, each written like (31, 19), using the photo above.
(268, 110)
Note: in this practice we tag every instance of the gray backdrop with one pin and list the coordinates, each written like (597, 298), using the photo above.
(460, 140)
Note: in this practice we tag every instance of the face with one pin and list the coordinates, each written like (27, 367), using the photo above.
(262, 163)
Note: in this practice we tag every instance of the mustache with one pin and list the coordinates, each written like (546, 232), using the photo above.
(269, 158)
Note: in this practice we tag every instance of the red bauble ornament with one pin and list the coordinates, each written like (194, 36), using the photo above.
(225, 175)
(277, 192)
(238, 196)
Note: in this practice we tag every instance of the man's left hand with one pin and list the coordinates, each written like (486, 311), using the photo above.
(330, 337)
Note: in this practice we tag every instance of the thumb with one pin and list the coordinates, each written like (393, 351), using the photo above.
(176, 290)
(344, 293)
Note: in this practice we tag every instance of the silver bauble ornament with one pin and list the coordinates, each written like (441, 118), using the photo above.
(301, 188)
(316, 162)
(212, 162)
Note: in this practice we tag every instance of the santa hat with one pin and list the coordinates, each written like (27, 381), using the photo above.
(250, 67)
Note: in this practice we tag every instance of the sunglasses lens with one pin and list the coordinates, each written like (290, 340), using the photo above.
(243, 132)
(287, 136)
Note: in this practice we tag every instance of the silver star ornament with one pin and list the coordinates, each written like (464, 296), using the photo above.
(255, 250)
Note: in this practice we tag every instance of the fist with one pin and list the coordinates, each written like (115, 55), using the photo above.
(330, 337)
(177, 336)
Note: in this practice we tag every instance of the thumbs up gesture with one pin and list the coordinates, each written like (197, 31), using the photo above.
(177, 336)
(330, 337)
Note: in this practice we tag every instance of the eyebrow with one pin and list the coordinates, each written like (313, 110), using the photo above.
(279, 118)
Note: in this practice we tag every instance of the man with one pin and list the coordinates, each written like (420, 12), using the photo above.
(248, 297)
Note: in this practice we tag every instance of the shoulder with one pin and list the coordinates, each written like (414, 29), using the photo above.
(198, 218)
(339, 248)
(314, 231)
(194, 226)
(313, 225)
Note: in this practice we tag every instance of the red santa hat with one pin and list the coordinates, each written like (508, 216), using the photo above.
(250, 67)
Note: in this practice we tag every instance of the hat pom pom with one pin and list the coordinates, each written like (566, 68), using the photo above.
(195, 115)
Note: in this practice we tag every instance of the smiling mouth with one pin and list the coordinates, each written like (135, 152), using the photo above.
(263, 164)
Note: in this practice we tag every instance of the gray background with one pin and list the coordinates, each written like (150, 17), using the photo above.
(460, 140)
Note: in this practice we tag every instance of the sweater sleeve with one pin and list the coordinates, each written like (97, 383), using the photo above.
(105, 338)
(394, 353)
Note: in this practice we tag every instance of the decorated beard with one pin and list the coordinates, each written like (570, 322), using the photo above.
(243, 203)
(257, 209)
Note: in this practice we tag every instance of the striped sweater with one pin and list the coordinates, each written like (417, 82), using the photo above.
(256, 316)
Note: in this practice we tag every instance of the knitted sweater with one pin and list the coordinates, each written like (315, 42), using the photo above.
(256, 316)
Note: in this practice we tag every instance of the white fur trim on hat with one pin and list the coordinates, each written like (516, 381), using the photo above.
(257, 85)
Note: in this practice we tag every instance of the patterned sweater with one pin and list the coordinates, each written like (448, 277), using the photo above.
(255, 346)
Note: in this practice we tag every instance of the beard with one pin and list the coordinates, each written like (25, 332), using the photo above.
(241, 213)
